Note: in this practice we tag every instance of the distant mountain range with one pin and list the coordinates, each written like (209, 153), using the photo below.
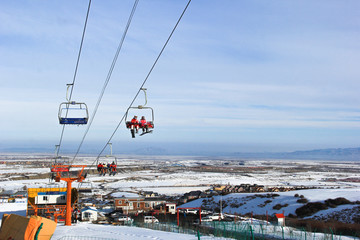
(316, 154)
(340, 154)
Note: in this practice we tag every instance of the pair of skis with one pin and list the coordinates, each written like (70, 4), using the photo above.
(133, 133)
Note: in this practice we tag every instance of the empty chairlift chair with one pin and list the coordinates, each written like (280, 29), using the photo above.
(71, 112)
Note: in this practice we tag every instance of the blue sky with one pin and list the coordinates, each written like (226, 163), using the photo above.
(237, 75)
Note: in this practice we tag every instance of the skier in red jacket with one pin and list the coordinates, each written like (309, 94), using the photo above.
(134, 124)
(143, 124)
(112, 168)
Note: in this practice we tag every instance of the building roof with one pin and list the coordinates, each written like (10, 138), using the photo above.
(89, 209)
(7, 193)
(129, 198)
(154, 199)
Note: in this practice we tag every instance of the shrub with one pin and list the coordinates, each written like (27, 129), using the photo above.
(291, 215)
(302, 200)
(260, 195)
(296, 195)
(279, 206)
(310, 208)
(337, 201)
(326, 227)
(235, 205)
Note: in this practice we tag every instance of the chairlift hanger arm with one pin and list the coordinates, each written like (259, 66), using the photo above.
(68, 98)
(142, 106)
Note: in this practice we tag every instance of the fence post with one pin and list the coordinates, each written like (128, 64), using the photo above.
(332, 234)
(178, 218)
(267, 218)
(252, 234)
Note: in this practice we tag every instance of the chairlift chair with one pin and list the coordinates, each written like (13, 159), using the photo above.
(71, 112)
(85, 187)
(59, 164)
(108, 159)
(148, 125)
(52, 185)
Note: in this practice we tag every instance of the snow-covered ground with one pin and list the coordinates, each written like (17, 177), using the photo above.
(120, 232)
(84, 230)
(246, 203)
(176, 175)
(101, 231)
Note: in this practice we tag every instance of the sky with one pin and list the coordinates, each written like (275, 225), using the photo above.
(235, 76)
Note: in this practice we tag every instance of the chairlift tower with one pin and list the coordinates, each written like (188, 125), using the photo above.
(78, 176)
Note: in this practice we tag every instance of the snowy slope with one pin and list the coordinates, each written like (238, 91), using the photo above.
(243, 203)
(101, 231)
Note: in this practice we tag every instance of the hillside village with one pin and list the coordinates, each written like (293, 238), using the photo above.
(97, 208)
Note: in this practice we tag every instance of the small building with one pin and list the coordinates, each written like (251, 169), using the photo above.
(170, 208)
(183, 200)
(281, 219)
(165, 208)
(49, 202)
(20, 194)
(219, 188)
(50, 198)
(149, 194)
(89, 214)
(6, 196)
(139, 204)
(20, 200)
(193, 195)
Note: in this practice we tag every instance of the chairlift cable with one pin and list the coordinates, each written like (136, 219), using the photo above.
(142, 85)
(75, 73)
(108, 77)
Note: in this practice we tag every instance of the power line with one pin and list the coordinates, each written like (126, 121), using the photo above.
(108, 76)
(146, 78)
(75, 73)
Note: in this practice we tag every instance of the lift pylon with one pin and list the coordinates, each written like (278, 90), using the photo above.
(69, 179)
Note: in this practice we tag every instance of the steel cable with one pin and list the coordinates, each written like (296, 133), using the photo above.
(142, 85)
(107, 78)
(74, 77)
